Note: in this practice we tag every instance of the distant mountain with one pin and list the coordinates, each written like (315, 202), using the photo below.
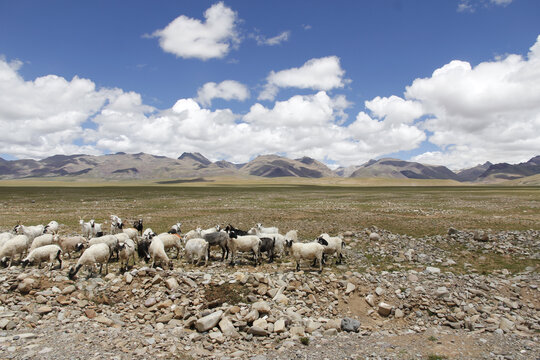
(472, 174)
(503, 171)
(121, 166)
(401, 169)
(278, 166)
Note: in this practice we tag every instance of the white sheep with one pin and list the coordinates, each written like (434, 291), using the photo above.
(156, 250)
(90, 229)
(132, 233)
(69, 244)
(306, 251)
(171, 241)
(126, 250)
(176, 228)
(42, 240)
(208, 231)
(116, 224)
(30, 231)
(51, 227)
(110, 240)
(332, 245)
(5, 236)
(44, 253)
(192, 234)
(267, 230)
(244, 243)
(198, 248)
(95, 254)
(17, 245)
(280, 239)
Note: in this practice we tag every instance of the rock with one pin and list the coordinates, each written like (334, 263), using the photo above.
(40, 299)
(104, 320)
(90, 313)
(255, 330)
(333, 324)
(330, 332)
(128, 278)
(150, 302)
(217, 337)
(262, 307)
(312, 326)
(7, 324)
(384, 309)
(165, 318)
(208, 322)
(481, 236)
(379, 291)
(432, 270)
(506, 325)
(452, 231)
(69, 289)
(279, 326)
(251, 316)
(227, 327)
(351, 325)
(281, 299)
(42, 310)
(350, 288)
(374, 237)
(441, 291)
(370, 299)
(172, 283)
(297, 331)
(26, 285)
(398, 313)
(260, 323)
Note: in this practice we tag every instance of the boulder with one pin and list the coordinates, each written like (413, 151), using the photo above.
(209, 321)
(351, 325)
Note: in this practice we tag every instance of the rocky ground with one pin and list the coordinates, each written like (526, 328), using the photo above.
(464, 295)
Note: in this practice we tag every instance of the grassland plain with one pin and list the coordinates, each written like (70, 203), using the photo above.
(310, 208)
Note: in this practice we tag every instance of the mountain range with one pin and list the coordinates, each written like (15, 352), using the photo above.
(121, 166)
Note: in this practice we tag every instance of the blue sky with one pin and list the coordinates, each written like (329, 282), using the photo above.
(341, 81)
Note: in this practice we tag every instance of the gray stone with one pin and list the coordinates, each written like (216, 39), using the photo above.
(279, 326)
(384, 309)
(255, 330)
(348, 324)
(208, 322)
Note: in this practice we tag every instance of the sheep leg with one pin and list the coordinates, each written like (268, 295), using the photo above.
(222, 253)
(297, 265)
(320, 265)
(314, 262)
(340, 257)
(100, 268)
(232, 258)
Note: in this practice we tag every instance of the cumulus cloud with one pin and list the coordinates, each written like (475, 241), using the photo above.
(316, 74)
(276, 40)
(487, 112)
(192, 38)
(45, 116)
(228, 90)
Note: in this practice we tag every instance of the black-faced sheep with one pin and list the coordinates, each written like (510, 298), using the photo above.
(44, 253)
(95, 254)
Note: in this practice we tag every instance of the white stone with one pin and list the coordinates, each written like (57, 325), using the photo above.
(208, 322)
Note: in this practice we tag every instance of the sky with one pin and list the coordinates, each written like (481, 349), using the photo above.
(448, 82)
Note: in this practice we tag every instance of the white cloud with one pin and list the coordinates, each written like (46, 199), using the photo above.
(487, 112)
(501, 2)
(228, 90)
(276, 40)
(472, 5)
(45, 116)
(316, 74)
(191, 38)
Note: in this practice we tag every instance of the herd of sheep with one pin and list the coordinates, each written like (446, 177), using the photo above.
(43, 243)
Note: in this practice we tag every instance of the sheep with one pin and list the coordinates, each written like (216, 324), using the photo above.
(69, 244)
(244, 243)
(116, 224)
(280, 239)
(5, 236)
(17, 245)
(267, 245)
(110, 240)
(192, 234)
(126, 250)
(218, 238)
(239, 232)
(142, 246)
(197, 248)
(208, 231)
(30, 231)
(42, 240)
(171, 241)
(157, 250)
(176, 228)
(95, 254)
(334, 245)
(90, 229)
(267, 230)
(43, 253)
(292, 235)
(138, 224)
(51, 227)
(132, 233)
(308, 251)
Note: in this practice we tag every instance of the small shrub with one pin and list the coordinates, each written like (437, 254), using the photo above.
(304, 340)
